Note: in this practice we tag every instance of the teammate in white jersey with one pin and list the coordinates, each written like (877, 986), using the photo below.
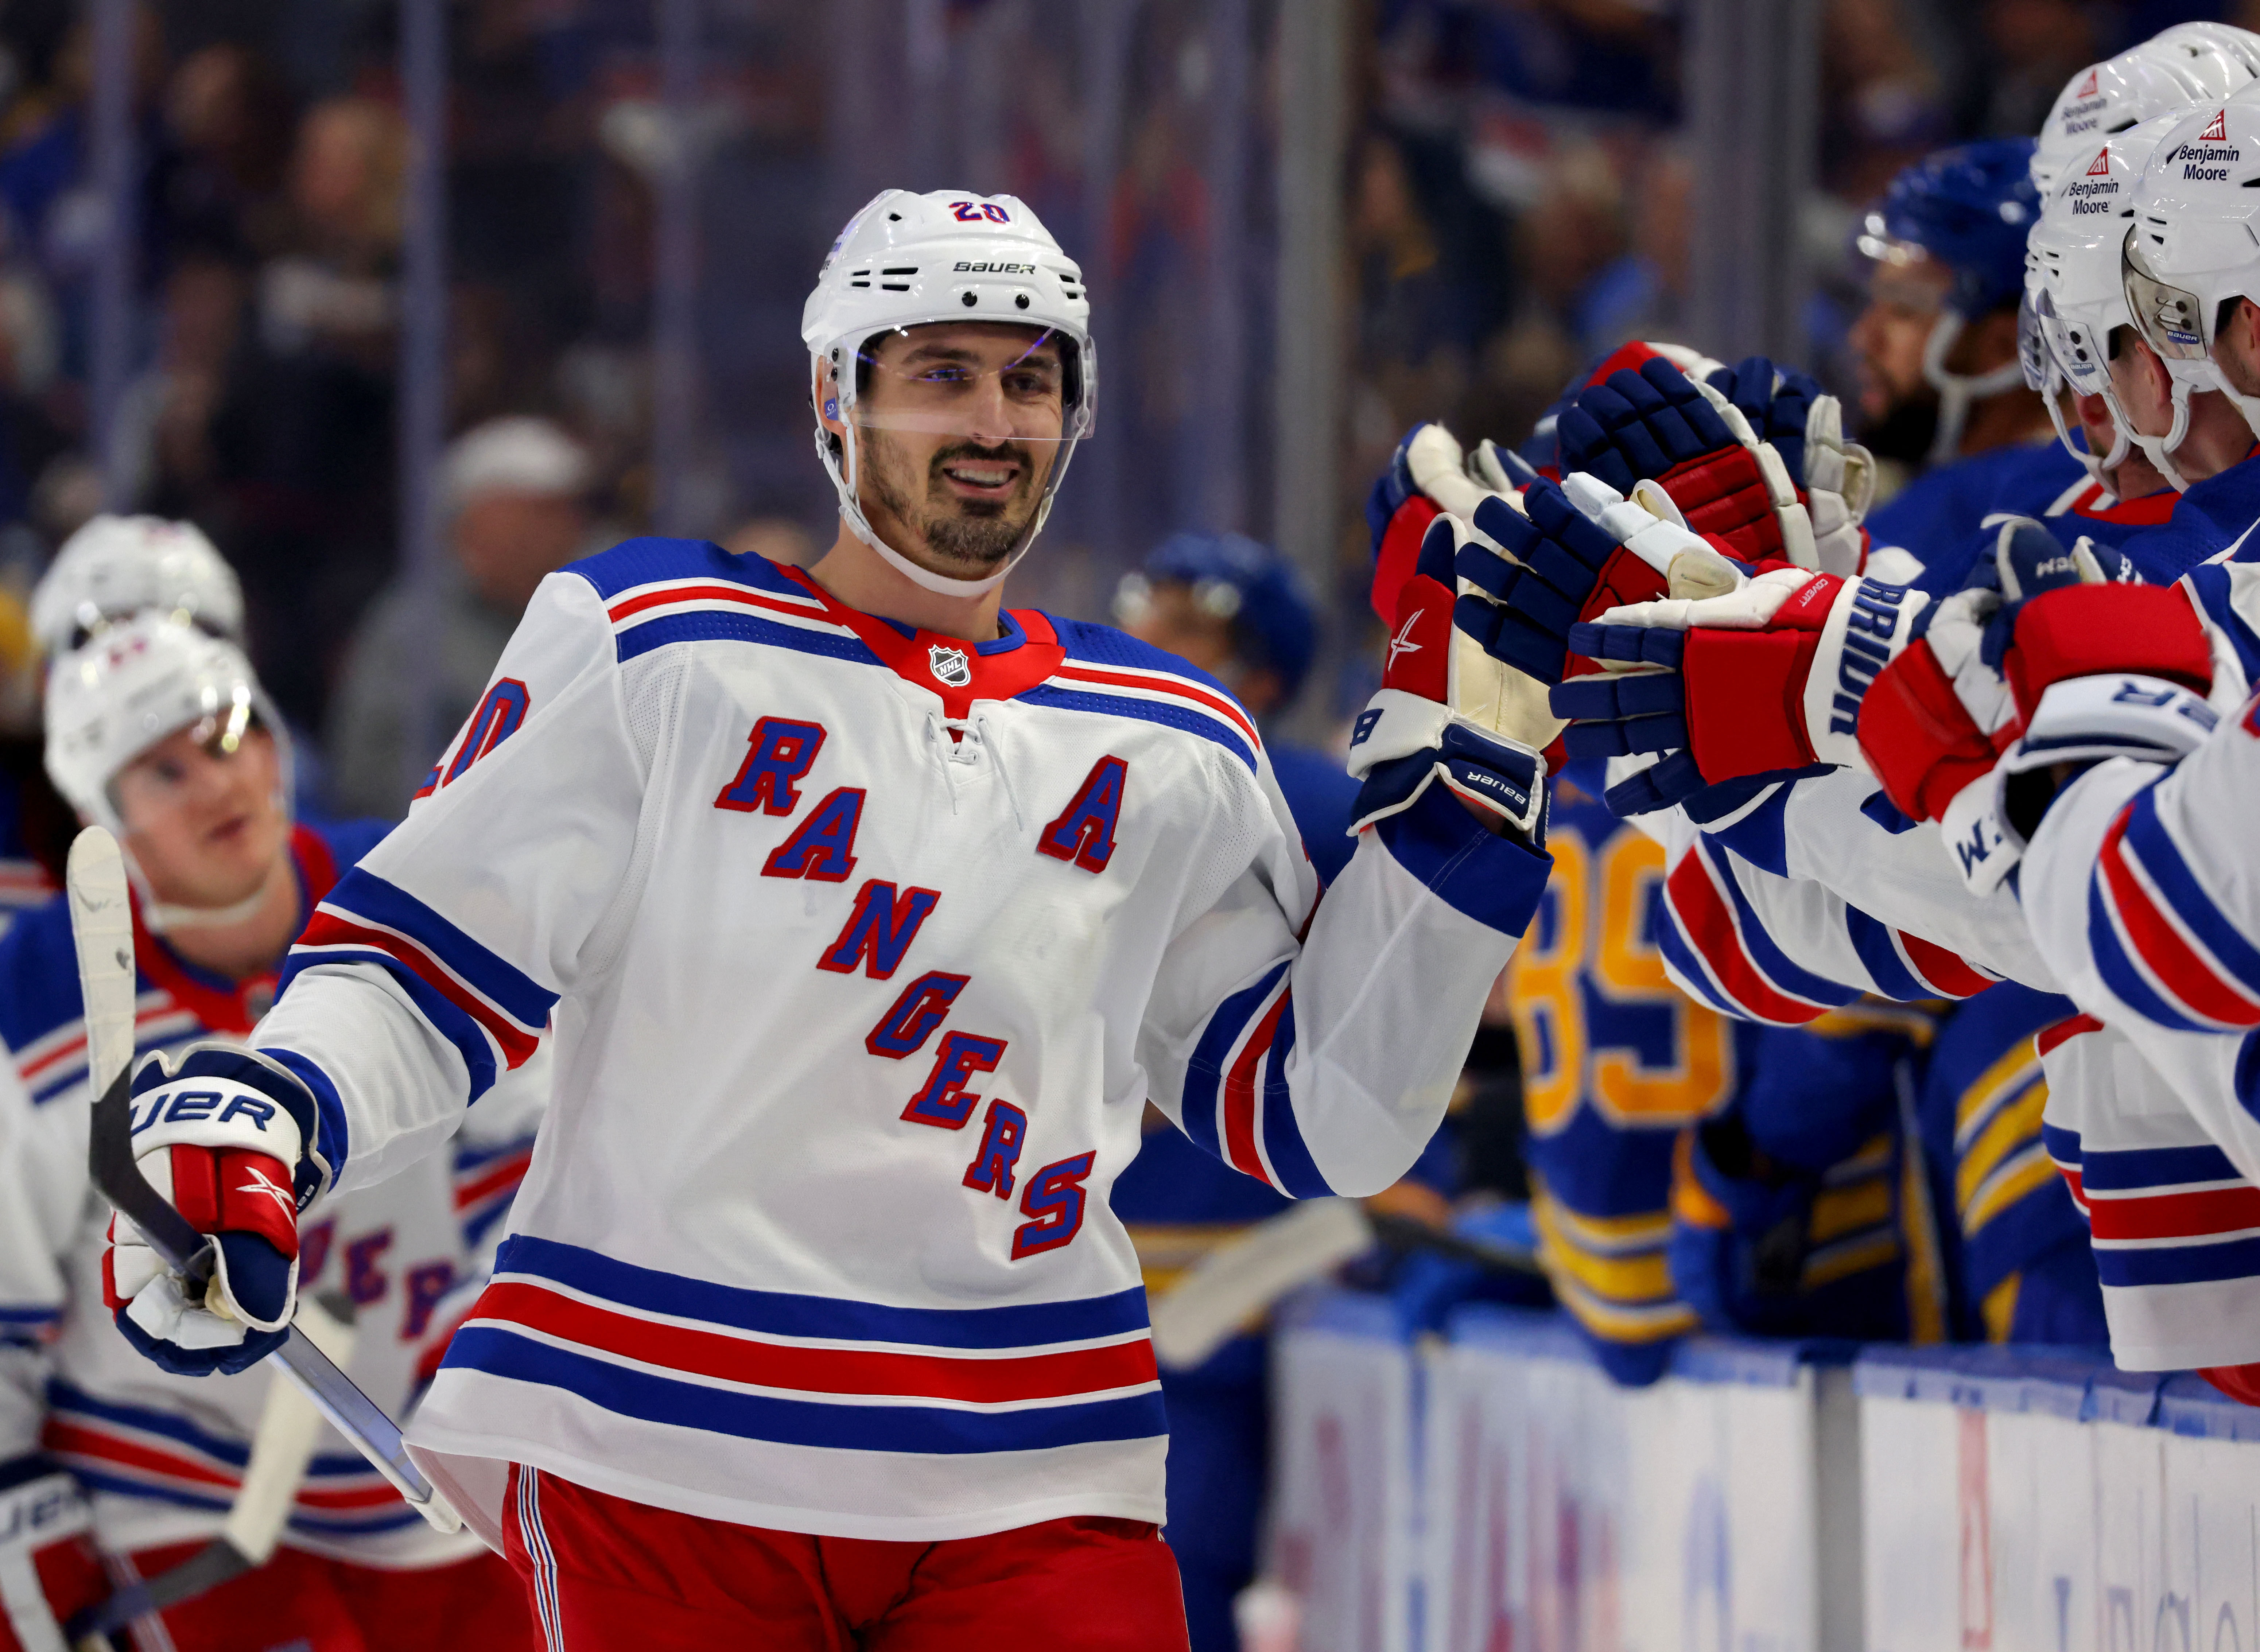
(865, 917)
(161, 731)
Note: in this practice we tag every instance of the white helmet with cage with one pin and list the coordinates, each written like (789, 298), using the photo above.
(2107, 98)
(907, 261)
(2193, 245)
(2075, 297)
(119, 693)
(116, 566)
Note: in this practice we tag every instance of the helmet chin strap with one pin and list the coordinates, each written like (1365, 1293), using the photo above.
(843, 468)
(1957, 390)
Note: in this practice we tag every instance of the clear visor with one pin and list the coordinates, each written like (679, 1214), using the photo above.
(158, 776)
(989, 383)
(2074, 349)
(2171, 319)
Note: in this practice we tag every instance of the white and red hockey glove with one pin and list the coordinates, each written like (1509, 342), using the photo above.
(1768, 679)
(1657, 423)
(1428, 475)
(49, 1569)
(219, 1136)
(1448, 712)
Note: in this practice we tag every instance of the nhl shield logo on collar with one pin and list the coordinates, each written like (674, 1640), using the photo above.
(951, 667)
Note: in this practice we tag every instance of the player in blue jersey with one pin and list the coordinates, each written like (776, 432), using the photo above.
(1937, 348)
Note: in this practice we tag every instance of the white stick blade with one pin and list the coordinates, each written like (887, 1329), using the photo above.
(101, 929)
(1234, 1283)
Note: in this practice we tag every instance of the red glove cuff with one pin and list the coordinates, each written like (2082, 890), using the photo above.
(1401, 553)
(2082, 631)
(1746, 700)
(234, 1190)
(1917, 736)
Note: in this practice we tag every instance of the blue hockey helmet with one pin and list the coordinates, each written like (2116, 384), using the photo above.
(1967, 209)
(1246, 584)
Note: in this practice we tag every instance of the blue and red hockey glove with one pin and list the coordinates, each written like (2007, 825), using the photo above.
(49, 1568)
(219, 1135)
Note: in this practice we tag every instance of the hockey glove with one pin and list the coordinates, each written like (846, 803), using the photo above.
(1427, 476)
(219, 1137)
(1737, 1246)
(1656, 423)
(1569, 553)
(49, 1569)
(1767, 679)
(1834, 479)
(1448, 712)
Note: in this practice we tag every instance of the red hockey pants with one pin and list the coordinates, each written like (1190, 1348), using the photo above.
(299, 1602)
(608, 1574)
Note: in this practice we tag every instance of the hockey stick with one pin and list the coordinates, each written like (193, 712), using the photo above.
(289, 1427)
(101, 926)
(1237, 1282)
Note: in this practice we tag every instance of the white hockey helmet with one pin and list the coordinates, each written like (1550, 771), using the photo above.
(120, 565)
(907, 261)
(2194, 244)
(2109, 97)
(119, 693)
(2075, 296)
(2225, 40)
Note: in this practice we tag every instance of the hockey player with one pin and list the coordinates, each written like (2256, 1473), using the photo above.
(159, 731)
(1937, 346)
(868, 916)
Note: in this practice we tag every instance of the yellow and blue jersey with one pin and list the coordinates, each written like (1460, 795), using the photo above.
(1615, 1061)
(2023, 1270)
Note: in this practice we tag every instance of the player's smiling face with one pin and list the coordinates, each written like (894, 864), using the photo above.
(204, 821)
(958, 427)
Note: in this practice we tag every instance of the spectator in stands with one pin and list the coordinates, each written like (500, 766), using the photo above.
(516, 495)
(302, 440)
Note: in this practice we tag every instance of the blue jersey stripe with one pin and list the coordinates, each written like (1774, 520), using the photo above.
(927, 1430)
(1871, 939)
(1169, 713)
(1021, 1325)
(2118, 970)
(1283, 1135)
(2142, 1170)
(1479, 875)
(2179, 1264)
(66, 1399)
(2162, 858)
(363, 894)
(1773, 961)
(1204, 1072)
(713, 624)
(1672, 942)
(652, 559)
(448, 1018)
(2211, 585)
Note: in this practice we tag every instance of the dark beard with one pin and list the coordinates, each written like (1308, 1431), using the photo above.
(1906, 431)
(973, 537)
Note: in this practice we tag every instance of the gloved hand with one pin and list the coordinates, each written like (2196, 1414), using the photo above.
(1738, 1222)
(49, 1569)
(1568, 553)
(1448, 712)
(1657, 423)
(218, 1136)
(1766, 679)
(1427, 476)
(1836, 479)
(1427, 1285)
(2053, 657)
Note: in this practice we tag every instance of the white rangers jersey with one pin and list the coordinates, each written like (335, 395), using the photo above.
(162, 1455)
(863, 950)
